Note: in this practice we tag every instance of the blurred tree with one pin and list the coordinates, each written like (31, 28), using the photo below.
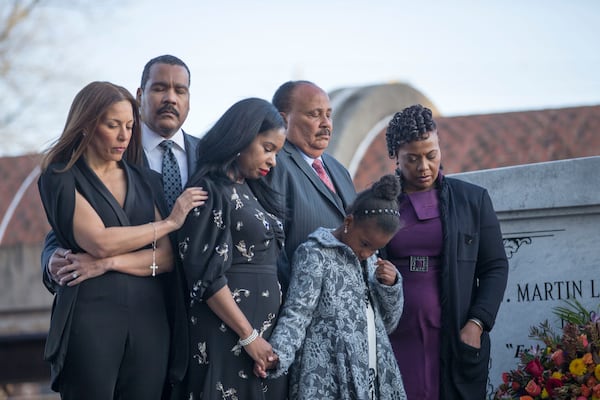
(13, 40)
(36, 39)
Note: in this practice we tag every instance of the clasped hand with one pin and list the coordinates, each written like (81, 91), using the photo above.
(262, 353)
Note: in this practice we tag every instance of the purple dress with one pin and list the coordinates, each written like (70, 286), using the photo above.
(416, 340)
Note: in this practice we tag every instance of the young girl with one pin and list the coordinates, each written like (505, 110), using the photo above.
(341, 304)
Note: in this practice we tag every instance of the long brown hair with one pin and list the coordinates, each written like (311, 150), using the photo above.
(87, 110)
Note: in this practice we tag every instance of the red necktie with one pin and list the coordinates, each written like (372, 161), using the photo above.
(318, 166)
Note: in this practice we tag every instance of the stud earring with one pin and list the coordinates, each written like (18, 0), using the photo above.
(345, 228)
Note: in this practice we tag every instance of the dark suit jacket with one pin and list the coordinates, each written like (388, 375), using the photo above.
(309, 203)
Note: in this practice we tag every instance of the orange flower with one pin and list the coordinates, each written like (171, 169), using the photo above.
(587, 359)
(532, 388)
(525, 398)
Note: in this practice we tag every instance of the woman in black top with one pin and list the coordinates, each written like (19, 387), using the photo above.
(109, 336)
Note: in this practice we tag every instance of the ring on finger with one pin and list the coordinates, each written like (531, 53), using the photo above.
(75, 275)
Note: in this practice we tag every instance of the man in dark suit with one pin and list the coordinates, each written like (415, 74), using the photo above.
(315, 195)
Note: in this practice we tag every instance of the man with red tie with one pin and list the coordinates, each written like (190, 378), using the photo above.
(317, 188)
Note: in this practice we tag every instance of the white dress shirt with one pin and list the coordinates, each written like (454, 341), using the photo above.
(151, 141)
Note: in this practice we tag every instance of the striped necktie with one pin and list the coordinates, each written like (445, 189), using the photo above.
(318, 166)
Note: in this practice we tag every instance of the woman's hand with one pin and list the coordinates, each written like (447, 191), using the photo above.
(262, 353)
(471, 334)
(190, 198)
(386, 272)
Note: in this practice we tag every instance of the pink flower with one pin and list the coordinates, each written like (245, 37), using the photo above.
(534, 368)
(558, 357)
(596, 390)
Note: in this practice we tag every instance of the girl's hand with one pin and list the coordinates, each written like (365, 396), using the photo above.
(386, 272)
(271, 363)
(262, 353)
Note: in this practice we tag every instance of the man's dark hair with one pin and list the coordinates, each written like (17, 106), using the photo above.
(164, 59)
(282, 99)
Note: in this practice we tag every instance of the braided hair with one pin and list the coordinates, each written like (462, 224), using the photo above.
(409, 125)
(379, 202)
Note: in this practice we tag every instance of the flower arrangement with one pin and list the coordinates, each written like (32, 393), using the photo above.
(567, 366)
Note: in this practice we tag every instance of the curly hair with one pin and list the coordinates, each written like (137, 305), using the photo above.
(411, 124)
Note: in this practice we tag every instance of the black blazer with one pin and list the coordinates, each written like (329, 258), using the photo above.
(472, 285)
(309, 203)
(191, 151)
(57, 193)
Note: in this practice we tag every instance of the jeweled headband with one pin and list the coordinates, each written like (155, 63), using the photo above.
(382, 211)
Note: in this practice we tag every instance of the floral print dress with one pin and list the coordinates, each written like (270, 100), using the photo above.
(233, 241)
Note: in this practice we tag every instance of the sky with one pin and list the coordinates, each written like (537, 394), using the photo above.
(467, 57)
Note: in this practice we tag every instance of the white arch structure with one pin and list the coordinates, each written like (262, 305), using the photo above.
(14, 203)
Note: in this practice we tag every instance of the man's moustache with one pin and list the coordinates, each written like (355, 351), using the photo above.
(168, 109)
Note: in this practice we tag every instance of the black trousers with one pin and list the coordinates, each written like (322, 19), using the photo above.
(119, 341)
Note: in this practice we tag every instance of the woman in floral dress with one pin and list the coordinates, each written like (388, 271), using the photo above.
(229, 249)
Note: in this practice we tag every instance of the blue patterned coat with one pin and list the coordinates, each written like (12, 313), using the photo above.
(321, 334)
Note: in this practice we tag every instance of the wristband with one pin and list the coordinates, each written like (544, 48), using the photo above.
(477, 322)
(249, 339)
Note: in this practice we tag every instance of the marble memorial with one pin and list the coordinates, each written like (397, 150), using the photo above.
(550, 220)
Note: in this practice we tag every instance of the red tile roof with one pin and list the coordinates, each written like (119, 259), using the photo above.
(468, 143)
(22, 216)
(478, 142)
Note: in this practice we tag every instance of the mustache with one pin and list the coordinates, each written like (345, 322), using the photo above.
(168, 108)
(324, 132)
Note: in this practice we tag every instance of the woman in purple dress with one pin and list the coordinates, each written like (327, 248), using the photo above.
(451, 256)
